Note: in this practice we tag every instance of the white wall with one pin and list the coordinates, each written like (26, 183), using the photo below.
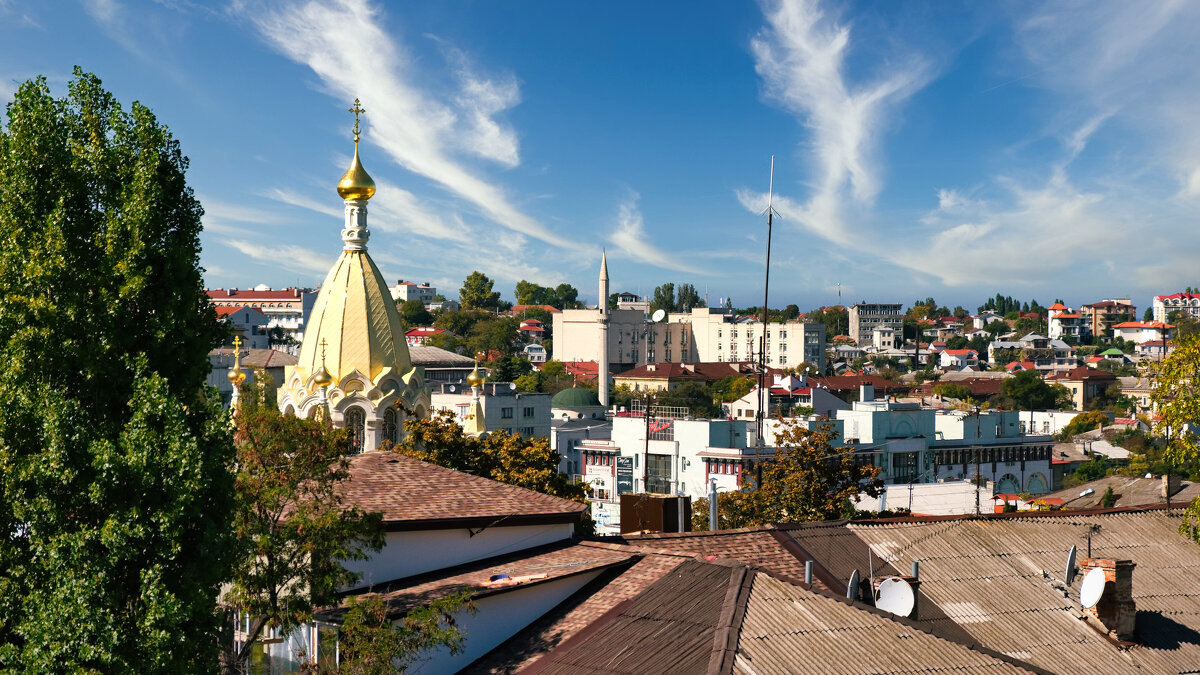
(499, 617)
(445, 548)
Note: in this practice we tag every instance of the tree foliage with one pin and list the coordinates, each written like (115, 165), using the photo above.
(374, 643)
(413, 313)
(293, 528)
(1176, 397)
(663, 298)
(477, 293)
(1027, 391)
(1082, 423)
(808, 479)
(562, 296)
(115, 491)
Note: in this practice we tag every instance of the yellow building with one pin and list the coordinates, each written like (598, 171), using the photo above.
(354, 358)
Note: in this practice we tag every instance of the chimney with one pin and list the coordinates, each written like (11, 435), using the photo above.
(1116, 610)
(866, 392)
(1170, 485)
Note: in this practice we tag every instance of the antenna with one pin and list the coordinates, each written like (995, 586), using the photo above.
(896, 596)
(760, 414)
(1069, 573)
(852, 587)
(1093, 588)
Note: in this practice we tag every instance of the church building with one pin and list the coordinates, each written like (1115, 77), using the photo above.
(354, 361)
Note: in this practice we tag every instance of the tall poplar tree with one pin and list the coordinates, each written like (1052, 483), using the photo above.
(115, 484)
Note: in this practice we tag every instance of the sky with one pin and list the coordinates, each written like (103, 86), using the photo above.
(1039, 150)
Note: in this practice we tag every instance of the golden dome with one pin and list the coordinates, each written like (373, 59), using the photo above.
(474, 378)
(356, 184)
(236, 376)
(322, 378)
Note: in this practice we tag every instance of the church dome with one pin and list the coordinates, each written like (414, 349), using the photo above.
(356, 183)
(575, 398)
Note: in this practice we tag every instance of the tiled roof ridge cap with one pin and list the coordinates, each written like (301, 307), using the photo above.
(1018, 515)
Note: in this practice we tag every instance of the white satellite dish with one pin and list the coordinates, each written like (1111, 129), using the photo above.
(658, 315)
(453, 389)
(1069, 574)
(895, 596)
(1092, 588)
(512, 386)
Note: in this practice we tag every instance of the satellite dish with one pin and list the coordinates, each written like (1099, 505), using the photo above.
(512, 386)
(1092, 588)
(453, 389)
(895, 596)
(852, 587)
(1069, 574)
(658, 315)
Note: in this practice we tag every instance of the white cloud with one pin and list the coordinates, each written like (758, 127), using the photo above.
(631, 239)
(801, 57)
(479, 100)
(411, 124)
(296, 199)
(295, 258)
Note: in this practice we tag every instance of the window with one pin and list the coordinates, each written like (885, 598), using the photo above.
(526, 432)
(506, 413)
(356, 421)
(783, 335)
(389, 425)
(658, 472)
(528, 411)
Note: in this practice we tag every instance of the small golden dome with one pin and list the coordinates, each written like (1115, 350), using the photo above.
(356, 184)
(236, 376)
(474, 378)
(322, 378)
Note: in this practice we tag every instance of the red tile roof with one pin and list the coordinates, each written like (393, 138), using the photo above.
(250, 295)
(517, 309)
(1083, 373)
(961, 352)
(416, 495)
(226, 310)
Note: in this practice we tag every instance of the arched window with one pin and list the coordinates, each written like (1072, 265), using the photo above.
(391, 426)
(356, 422)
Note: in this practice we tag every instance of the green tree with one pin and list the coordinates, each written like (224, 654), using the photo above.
(952, 390)
(460, 322)
(1083, 422)
(373, 643)
(477, 293)
(663, 298)
(413, 313)
(1109, 498)
(294, 530)
(808, 479)
(688, 297)
(496, 334)
(1027, 391)
(278, 337)
(1176, 397)
(732, 387)
(115, 491)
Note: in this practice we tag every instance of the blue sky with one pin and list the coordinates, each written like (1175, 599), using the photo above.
(1037, 150)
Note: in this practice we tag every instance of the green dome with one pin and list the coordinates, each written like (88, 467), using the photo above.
(575, 397)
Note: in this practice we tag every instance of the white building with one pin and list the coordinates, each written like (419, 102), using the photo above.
(288, 309)
(866, 317)
(1047, 355)
(1140, 332)
(248, 322)
(1163, 305)
(702, 335)
(787, 393)
(504, 408)
(404, 291)
(957, 359)
(1062, 322)
(883, 338)
(535, 353)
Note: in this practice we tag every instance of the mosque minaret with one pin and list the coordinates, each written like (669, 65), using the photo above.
(354, 360)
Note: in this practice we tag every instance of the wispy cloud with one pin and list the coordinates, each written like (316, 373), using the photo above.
(419, 130)
(293, 198)
(294, 258)
(801, 57)
(629, 236)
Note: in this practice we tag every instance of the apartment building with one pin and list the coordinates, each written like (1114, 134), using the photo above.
(504, 408)
(288, 308)
(1100, 317)
(1163, 305)
(404, 291)
(866, 317)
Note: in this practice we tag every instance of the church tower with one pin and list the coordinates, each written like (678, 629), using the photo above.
(354, 361)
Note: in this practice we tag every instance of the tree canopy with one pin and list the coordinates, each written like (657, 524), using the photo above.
(1027, 391)
(477, 293)
(115, 493)
(562, 296)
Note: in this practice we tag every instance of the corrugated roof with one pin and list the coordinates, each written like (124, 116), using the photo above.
(412, 494)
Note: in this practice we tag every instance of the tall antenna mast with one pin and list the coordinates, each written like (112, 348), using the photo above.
(762, 352)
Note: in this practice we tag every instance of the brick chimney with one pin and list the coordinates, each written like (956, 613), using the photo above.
(1170, 485)
(1116, 610)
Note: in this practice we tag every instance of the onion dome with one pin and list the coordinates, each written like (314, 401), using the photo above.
(475, 379)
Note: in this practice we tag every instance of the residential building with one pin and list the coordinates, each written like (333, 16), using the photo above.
(1047, 355)
(883, 338)
(1100, 317)
(784, 397)
(1140, 332)
(1187, 303)
(535, 354)
(866, 317)
(248, 322)
(504, 408)
(288, 309)
(957, 359)
(404, 291)
(421, 335)
(1085, 384)
(985, 317)
(1155, 350)
(1063, 322)
(531, 329)
(701, 335)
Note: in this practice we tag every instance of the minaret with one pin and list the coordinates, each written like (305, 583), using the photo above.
(602, 369)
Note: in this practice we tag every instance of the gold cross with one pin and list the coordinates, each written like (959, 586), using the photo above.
(323, 343)
(237, 342)
(357, 109)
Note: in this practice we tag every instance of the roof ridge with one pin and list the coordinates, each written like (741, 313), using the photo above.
(729, 625)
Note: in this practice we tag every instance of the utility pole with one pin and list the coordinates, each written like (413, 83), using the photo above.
(762, 352)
